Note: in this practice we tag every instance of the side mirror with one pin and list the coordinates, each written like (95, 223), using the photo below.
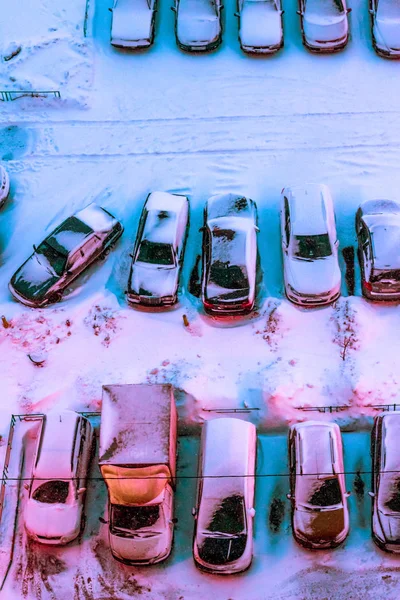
(347, 494)
(282, 12)
(131, 255)
(82, 253)
(110, 9)
(202, 228)
(34, 248)
(257, 228)
(174, 520)
(26, 486)
(371, 11)
(103, 521)
(337, 244)
(289, 496)
(349, 10)
(299, 12)
(194, 511)
(372, 494)
(173, 8)
(236, 14)
(81, 491)
(251, 512)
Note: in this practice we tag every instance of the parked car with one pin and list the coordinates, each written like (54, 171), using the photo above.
(223, 532)
(198, 24)
(260, 26)
(324, 24)
(378, 236)
(64, 254)
(229, 256)
(159, 249)
(386, 481)
(54, 512)
(133, 23)
(385, 24)
(309, 245)
(4, 185)
(320, 517)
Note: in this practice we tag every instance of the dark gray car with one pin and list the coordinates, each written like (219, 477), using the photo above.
(324, 24)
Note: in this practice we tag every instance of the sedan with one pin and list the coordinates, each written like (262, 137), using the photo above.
(133, 23)
(229, 257)
(4, 185)
(386, 481)
(385, 21)
(260, 26)
(159, 249)
(324, 24)
(378, 235)
(309, 245)
(198, 24)
(63, 255)
(320, 517)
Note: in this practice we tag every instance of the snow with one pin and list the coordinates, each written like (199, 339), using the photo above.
(308, 206)
(55, 449)
(260, 23)
(197, 21)
(131, 20)
(96, 218)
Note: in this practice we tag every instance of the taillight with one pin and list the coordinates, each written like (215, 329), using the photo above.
(368, 286)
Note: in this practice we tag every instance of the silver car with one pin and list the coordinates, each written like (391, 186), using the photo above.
(133, 23)
(260, 26)
(324, 24)
(198, 26)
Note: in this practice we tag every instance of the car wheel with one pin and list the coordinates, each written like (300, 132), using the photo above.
(105, 252)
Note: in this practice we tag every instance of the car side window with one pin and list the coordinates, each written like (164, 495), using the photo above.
(287, 221)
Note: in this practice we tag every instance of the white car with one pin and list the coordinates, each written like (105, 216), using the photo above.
(133, 23)
(309, 245)
(198, 24)
(385, 19)
(159, 249)
(223, 535)
(260, 26)
(54, 509)
(4, 185)
(324, 24)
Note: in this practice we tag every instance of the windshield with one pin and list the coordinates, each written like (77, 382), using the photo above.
(156, 253)
(56, 260)
(325, 7)
(389, 9)
(132, 518)
(312, 247)
(392, 275)
(52, 492)
(225, 516)
(389, 493)
(318, 492)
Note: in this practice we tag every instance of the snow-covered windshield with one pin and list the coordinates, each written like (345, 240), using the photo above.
(389, 493)
(52, 492)
(132, 518)
(312, 247)
(389, 9)
(318, 492)
(325, 7)
(227, 257)
(156, 253)
(56, 260)
(198, 8)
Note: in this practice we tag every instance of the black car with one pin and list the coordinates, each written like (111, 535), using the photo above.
(378, 235)
(386, 481)
(63, 255)
(229, 257)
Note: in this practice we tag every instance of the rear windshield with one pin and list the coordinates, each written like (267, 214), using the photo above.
(312, 247)
(156, 253)
(324, 492)
(325, 7)
(389, 8)
(131, 518)
(52, 492)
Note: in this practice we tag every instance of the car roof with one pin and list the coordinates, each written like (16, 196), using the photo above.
(385, 234)
(96, 217)
(225, 205)
(390, 440)
(56, 443)
(308, 210)
(165, 201)
(316, 441)
(162, 214)
(230, 239)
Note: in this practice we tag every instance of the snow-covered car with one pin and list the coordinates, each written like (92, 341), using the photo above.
(378, 235)
(320, 517)
(260, 26)
(4, 185)
(324, 24)
(54, 512)
(198, 24)
(386, 481)
(385, 23)
(132, 23)
(223, 532)
(159, 250)
(309, 245)
(229, 255)
(87, 235)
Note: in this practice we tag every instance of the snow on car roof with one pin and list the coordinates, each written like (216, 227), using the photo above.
(390, 440)
(165, 201)
(226, 444)
(225, 205)
(308, 209)
(160, 226)
(376, 207)
(230, 239)
(315, 446)
(96, 217)
(385, 233)
(56, 442)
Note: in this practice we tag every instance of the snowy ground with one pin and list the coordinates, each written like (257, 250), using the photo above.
(128, 124)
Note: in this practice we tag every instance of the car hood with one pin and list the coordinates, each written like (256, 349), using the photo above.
(390, 527)
(52, 520)
(319, 526)
(132, 25)
(325, 29)
(388, 32)
(152, 281)
(193, 29)
(317, 277)
(260, 26)
(33, 279)
(140, 548)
